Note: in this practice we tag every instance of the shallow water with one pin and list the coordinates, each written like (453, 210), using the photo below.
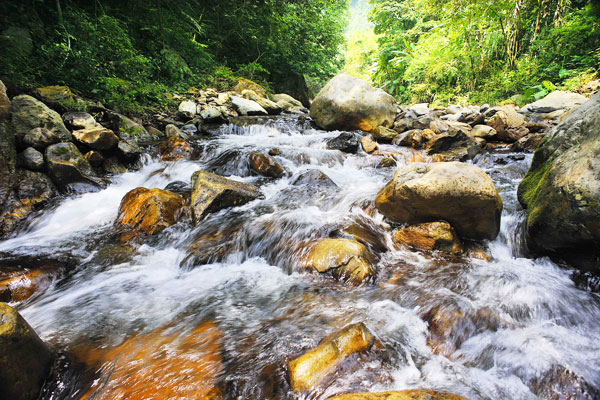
(520, 317)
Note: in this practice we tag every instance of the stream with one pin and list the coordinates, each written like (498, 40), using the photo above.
(519, 319)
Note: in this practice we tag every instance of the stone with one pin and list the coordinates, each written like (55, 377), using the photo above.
(412, 138)
(556, 100)
(55, 94)
(420, 109)
(79, 120)
(4, 102)
(95, 158)
(187, 109)
(24, 358)
(271, 107)
(505, 117)
(189, 130)
(211, 193)
(32, 159)
(213, 246)
(40, 138)
(18, 286)
(415, 394)
(368, 145)
(265, 165)
(126, 128)
(113, 166)
(483, 131)
(387, 162)
(383, 134)
(313, 367)
(346, 259)
(288, 103)
(527, 143)
(29, 113)
(159, 364)
(247, 84)
(128, 151)
(511, 135)
(154, 132)
(429, 236)
(67, 165)
(175, 149)
(461, 194)
(247, 107)
(453, 146)
(313, 177)
(211, 114)
(346, 142)
(562, 187)
(349, 103)
(173, 131)
(148, 210)
(98, 138)
(438, 126)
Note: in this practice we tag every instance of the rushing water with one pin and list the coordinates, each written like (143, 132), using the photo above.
(519, 317)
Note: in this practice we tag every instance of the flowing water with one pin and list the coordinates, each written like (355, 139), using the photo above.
(517, 319)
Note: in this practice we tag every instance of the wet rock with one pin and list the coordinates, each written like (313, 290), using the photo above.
(387, 162)
(383, 134)
(55, 94)
(40, 138)
(67, 165)
(213, 246)
(128, 151)
(148, 210)
(127, 128)
(271, 107)
(556, 100)
(483, 131)
(368, 145)
(79, 120)
(24, 358)
(113, 166)
(19, 286)
(349, 103)
(274, 152)
(173, 131)
(453, 146)
(418, 394)
(561, 383)
(346, 259)
(288, 103)
(429, 236)
(313, 367)
(313, 177)
(189, 130)
(187, 109)
(95, 158)
(527, 143)
(211, 114)
(265, 165)
(247, 84)
(211, 193)
(247, 107)
(97, 138)
(31, 159)
(4, 102)
(175, 149)
(562, 187)
(29, 113)
(181, 188)
(459, 193)
(160, 365)
(347, 142)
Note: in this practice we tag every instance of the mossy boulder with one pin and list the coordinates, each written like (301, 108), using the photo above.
(24, 358)
(29, 113)
(126, 128)
(349, 103)
(561, 190)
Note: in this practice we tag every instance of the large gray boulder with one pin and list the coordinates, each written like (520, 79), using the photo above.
(349, 103)
(557, 100)
(29, 113)
(459, 193)
(561, 190)
(67, 165)
(247, 107)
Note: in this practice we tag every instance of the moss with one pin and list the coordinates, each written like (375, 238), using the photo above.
(529, 188)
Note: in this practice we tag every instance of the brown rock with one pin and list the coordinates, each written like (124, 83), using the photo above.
(149, 210)
(418, 394)
(21, 285)
(310, 369)
(511, 135)
(384, 135)
(247, 84)
(368, 145)
(265, 165)
(98, 138)
(429, 236)
(346, 259)
(175, 149)
(94, 157)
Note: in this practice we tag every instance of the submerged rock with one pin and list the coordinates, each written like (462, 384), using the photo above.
(416, 394)
(459, 193)
(348, 103)
(24, 358)
(313, 367)
(265, 165)
(429, 236)
(346, 259)
(149, 210)
(211, 193)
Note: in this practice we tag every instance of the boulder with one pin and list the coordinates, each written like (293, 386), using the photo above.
(40, 138)
(173, 131)
(511, 135)
(247, 107)
(271, 107)
(415, 394)
(562, 187)
(346, 259)
(149, 210)
(175, 149)
(211, 193)
(368, 145)
(94, 157)
(413, 138)
(346, 141)
(31, 159)
(55, 94)
(160, 364)
(29, 113)
(247, 84)
(128, 151)
(557, 100)
(313, 177)
(211, 114)
(24, 358)
(420, 109)
(453, 146)
(79, 120)
(349, 103)
(187, 109)
(265, 165)
(314, 366)
(288, 103)
(429, 236)
(459, 193)
(67, 165)
(98, 138)
(4, 102)
(383, 134)
(126, 128)
(113, 166)
(504, 117)
(483, 131)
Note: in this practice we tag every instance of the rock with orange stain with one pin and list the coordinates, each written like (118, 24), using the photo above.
(149, 210)
(416, 156)
(429, 236)
(159, 365)
(265, 165)
(313, 367)
(21, 285)
(176, 148)
(349, 103)
(368, 145)
(418, 394)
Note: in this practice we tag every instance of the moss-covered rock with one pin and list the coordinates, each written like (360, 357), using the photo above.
(561, 190)
(29, 113)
